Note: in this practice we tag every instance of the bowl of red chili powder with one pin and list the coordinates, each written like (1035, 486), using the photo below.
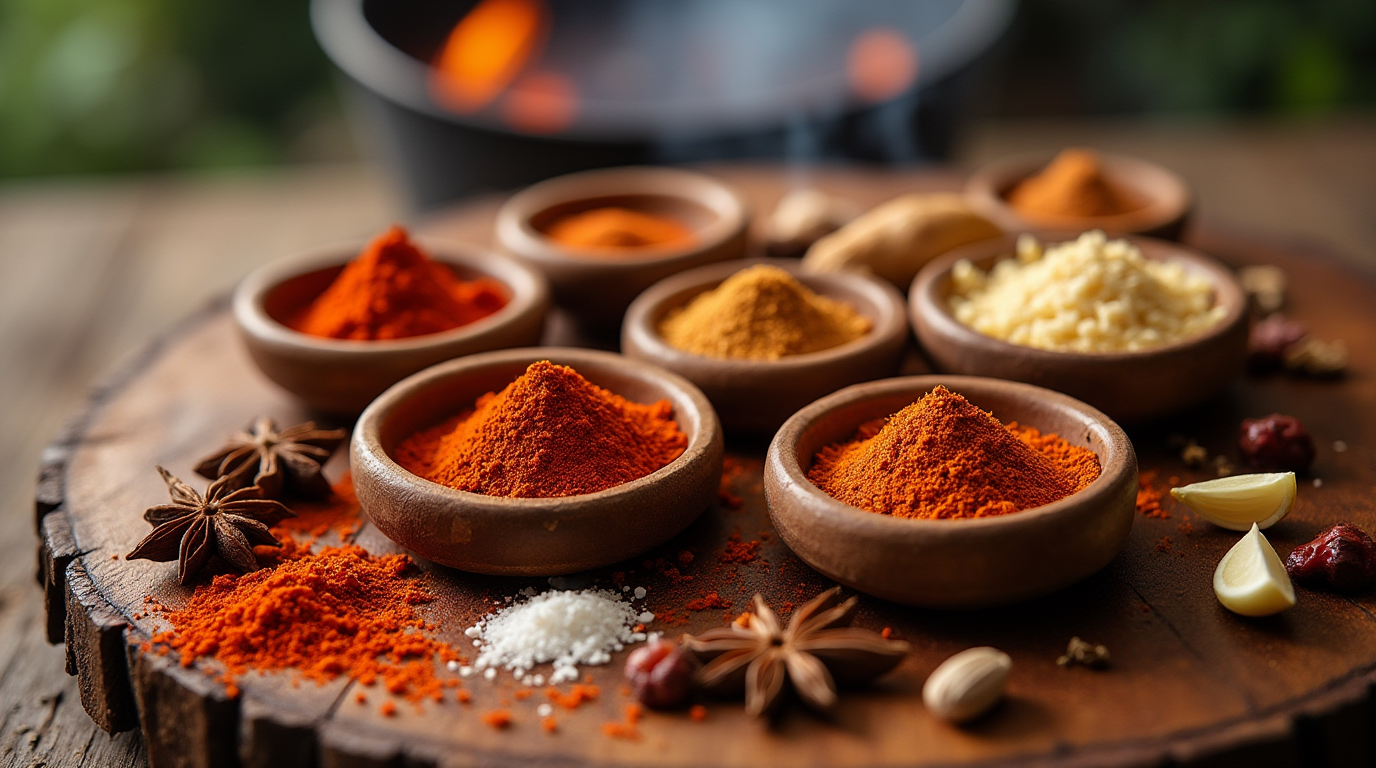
(338, 326)
(952, 491)
(601, 237)
(537, 461)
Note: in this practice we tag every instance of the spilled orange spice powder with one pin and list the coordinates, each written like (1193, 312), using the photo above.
(338, 612)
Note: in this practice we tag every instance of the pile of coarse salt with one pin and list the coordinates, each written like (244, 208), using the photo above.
(566, 628)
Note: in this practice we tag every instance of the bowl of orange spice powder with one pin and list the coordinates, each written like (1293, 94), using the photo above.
(1081, 189)
(601, 237)
(338, 326)
(952, 491)
(538, 461)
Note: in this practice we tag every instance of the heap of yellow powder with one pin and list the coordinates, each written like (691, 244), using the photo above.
(762, 313)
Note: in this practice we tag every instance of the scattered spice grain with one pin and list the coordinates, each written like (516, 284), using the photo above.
(393, 290)
(550, 433)
(761, 313)
(499, 719)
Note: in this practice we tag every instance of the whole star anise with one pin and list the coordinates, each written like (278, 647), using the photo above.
(226, 521)
(278, 462)
(814, 652)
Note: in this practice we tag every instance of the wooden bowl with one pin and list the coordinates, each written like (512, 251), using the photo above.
(531, 537)
(341, 377)
(1167, 196)
(1129, 386)
(596, 287)
(756, 396)
(952, 563)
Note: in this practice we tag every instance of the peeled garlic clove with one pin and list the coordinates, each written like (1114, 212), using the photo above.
(967, 684)
(1251, 580)
(1239, 501)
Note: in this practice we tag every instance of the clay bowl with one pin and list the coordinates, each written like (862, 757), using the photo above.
(596, 287)
(531, 537)
(1129, 386)
(952, 563)
(341, 377)
(1167, 196)
(756, 396)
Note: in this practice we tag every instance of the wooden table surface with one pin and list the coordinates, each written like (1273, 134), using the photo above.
(90, 269)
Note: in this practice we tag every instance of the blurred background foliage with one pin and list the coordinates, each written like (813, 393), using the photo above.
(91, 86)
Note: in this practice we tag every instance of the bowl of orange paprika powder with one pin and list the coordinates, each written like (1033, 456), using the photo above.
(952, 491)
(537, 462)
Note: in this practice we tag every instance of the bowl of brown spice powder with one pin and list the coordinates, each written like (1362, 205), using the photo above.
(537, 461)
(952, 491)
(763, 338)
(1081, 189)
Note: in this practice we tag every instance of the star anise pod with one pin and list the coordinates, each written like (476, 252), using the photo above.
(814, 652)
(226, 521)
(278, 462)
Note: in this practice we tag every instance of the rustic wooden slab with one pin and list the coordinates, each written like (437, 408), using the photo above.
(1190, 682)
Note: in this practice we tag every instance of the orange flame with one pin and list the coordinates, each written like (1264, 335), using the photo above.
(881, 64)
(486, 50)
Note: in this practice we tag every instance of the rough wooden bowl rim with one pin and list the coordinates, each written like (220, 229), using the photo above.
(528, 288)
(927, 301)
(367, 438)
(889, 317)
(516, 232)
(783, 456)
(1168, 195)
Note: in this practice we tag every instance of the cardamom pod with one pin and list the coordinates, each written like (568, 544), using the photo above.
(967, 684)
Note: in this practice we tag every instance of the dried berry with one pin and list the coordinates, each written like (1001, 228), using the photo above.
(1343, 557)
(1269, 341)
(1276, 443)
(661, 675)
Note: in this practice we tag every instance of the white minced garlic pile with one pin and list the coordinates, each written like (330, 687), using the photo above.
(565, 628)
(1088, 295)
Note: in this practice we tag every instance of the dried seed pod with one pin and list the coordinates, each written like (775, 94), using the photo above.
(966, 685)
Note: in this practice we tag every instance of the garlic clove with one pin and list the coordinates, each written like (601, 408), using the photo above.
(966, 685)
(1251, 580)
(1238, 502)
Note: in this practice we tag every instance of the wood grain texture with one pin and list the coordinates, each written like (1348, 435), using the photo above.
(1190, 683)
(91, 268)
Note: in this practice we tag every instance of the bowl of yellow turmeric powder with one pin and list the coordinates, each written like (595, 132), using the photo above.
(337, 326)
(601, 237)
(537, 461)
(764, 337)
(952, 491)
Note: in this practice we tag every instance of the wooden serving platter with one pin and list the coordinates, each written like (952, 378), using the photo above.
(1189, 682)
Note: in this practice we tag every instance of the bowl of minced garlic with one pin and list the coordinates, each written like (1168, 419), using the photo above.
(1136, 327)
(952, 491)
(763, 338)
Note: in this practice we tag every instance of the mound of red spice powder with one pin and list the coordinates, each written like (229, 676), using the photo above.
(549, 433)
(340, 611)
(942, 457)
(393, 290)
